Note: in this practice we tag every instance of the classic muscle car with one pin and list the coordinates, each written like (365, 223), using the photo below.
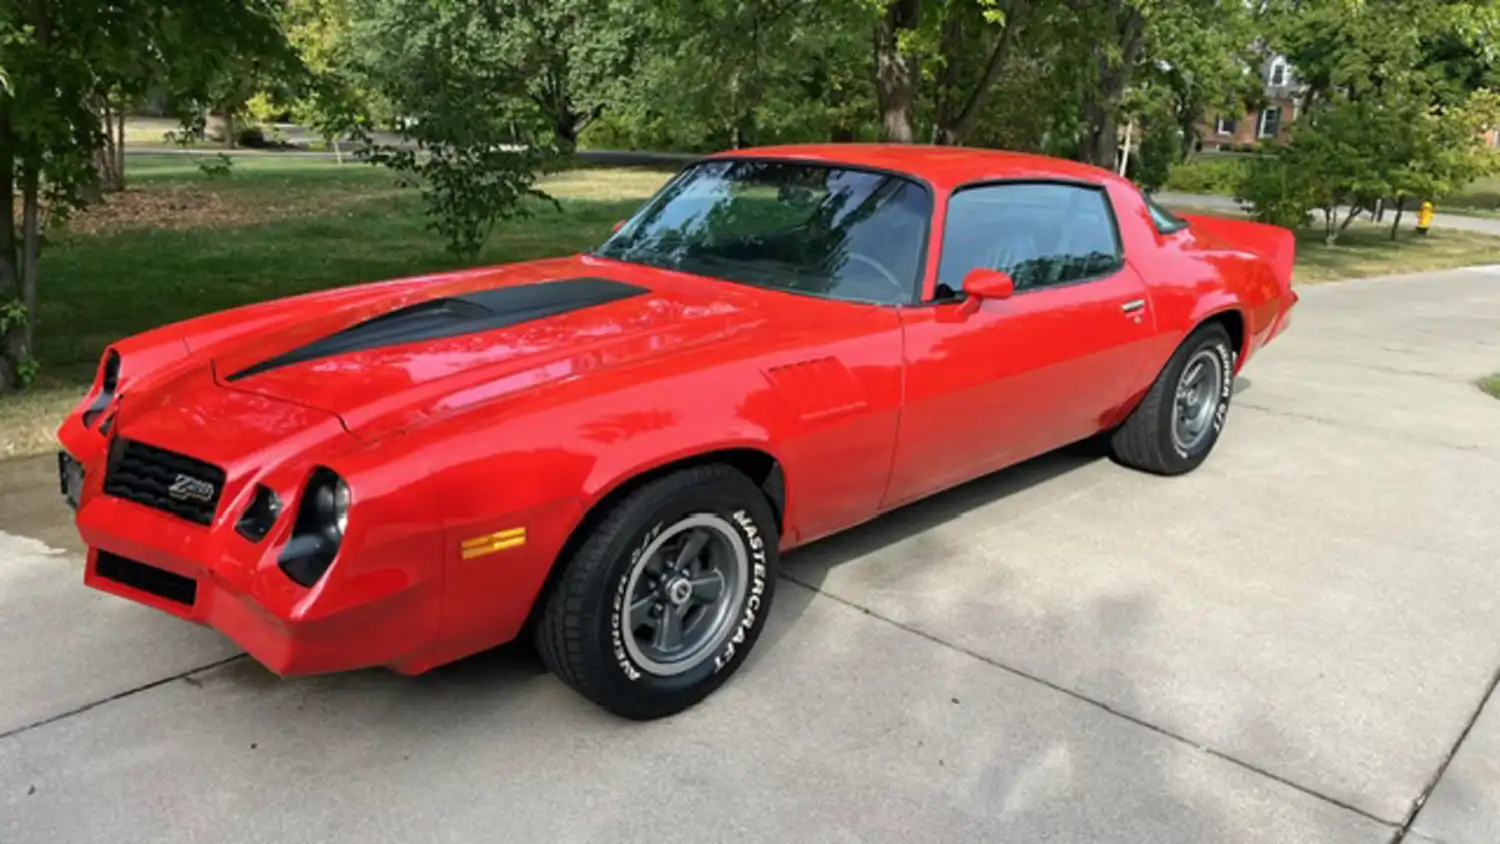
(607, 452)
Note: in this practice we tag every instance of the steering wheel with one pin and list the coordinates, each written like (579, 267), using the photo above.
(884, 271)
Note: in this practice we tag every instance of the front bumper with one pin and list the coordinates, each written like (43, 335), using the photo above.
(214, 577)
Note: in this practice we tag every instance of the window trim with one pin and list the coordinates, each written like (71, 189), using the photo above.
(1260, 129)
(1281, 65)
(1219, 123)
(1057, 181)
(915, 296)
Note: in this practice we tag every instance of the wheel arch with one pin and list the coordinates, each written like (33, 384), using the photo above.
(759, 465)
(1233, 321)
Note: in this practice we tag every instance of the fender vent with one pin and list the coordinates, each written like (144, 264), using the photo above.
(818, 389)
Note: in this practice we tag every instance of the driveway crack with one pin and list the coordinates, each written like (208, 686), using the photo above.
(1466, 448)
(134, 690)
(1442, 768)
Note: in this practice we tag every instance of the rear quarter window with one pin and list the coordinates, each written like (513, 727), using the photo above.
(1166, 222)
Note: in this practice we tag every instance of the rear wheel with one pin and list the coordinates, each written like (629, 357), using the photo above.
(1180, 418)
(667, 594)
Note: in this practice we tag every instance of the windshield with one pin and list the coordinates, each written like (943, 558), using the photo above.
(839, 233)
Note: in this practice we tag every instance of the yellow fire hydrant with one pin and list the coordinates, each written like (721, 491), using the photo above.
(1424, 217)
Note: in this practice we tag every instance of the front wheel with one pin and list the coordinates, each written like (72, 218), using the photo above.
(666, 595)
(1179, 420)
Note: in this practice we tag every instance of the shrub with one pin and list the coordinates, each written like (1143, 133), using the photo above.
(1218, 175)
(1159, 150)
(1278, 192)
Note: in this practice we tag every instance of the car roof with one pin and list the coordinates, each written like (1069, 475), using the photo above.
(944, 167)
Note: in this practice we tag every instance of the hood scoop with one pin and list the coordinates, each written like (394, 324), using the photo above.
(453, 316)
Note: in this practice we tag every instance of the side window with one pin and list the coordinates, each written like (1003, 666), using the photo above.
(1041, 233)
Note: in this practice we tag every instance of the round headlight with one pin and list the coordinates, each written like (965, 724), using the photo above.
(317, 533)
(332, 500)
(341, 499)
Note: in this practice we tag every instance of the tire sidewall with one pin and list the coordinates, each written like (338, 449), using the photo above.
(755, 527)
(1217, 340)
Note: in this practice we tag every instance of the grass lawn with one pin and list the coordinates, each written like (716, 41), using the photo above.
(1366, 249)
(179, 243)
(1482, 198)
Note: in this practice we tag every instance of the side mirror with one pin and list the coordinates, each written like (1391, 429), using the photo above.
(982, 283)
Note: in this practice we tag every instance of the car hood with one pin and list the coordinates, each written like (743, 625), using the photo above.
(406, 352)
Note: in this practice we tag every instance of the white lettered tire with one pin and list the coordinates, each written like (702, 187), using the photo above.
(666, 595)
(1178, 421)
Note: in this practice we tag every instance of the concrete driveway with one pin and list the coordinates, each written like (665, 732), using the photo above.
(1293, 644)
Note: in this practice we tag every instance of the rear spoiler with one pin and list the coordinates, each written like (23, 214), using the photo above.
(1273, 244)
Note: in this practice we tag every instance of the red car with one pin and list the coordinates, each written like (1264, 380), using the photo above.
(609, 451)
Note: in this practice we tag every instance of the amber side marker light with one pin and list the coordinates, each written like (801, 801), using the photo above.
(492, 542)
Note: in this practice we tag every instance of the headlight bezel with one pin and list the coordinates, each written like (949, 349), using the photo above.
(109, 384)
(319, 528)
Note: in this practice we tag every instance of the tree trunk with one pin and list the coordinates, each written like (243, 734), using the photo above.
(31, 246)
(945, 91)
(1101, 105)
(119, 149)
(896, 72)
(566, 129)
(11, 339)
(8, 274)
(109, 158)
(338, 151)
(1400, 206)
(1354, 209)
(955, 129)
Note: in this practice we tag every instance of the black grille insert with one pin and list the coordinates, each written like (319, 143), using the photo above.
(178, 484)
(161, 583)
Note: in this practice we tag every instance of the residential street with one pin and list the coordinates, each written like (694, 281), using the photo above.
(1293, 644)
(1443, 219)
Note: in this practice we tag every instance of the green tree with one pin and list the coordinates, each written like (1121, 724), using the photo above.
(331, 98)
(710, 74)
(473, 138)
(1387, 111)
(70, 67)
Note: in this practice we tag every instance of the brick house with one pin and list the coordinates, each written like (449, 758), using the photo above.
(1283, 97)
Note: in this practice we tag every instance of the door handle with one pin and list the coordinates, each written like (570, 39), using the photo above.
(1134, 306)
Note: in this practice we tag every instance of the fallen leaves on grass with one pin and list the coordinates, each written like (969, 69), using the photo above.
(161, 207)
(29, 420)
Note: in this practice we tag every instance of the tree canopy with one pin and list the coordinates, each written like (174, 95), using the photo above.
(484, 95)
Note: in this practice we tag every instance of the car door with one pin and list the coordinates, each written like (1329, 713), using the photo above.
(1020, 376)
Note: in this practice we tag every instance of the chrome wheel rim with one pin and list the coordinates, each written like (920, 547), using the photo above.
(1196, 400)
(683, 595)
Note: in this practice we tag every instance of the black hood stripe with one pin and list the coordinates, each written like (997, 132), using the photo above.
(454, 316)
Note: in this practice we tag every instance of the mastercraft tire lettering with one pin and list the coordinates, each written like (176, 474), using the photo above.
(666, 595)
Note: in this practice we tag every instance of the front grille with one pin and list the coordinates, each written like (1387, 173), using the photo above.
(180, 485)
(161, 583)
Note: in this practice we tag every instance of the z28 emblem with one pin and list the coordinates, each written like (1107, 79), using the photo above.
(189, 488)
